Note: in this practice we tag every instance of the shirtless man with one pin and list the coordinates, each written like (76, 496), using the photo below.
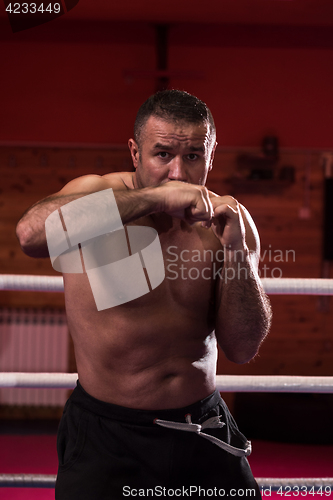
(146, 364)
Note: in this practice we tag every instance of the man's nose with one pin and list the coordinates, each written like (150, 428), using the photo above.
(177, 170)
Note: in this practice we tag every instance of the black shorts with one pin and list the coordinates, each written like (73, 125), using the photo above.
(107, 452)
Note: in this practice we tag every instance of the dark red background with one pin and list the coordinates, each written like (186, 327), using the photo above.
(270, 71)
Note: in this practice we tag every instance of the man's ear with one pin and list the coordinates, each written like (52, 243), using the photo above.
(212, 157)
(134, 149)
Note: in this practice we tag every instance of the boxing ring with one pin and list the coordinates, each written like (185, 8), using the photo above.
(225, 383)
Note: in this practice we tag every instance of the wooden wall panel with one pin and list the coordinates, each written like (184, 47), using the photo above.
(301, 340)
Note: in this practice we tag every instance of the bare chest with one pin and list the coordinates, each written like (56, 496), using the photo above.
(192, 259)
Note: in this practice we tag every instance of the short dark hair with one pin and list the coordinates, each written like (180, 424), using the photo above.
(174, 105)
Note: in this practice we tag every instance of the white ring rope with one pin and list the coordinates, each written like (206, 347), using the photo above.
(31, 283)
(278, 286)
(38, 380)
(274, 383)
(225, 383)
(274, 484)
(27, 480)
(297, 286)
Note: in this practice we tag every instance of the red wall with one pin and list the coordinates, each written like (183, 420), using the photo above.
(63, 82)
(252, 92)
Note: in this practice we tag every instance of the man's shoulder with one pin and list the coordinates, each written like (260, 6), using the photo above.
(91, 183)
(119, 180)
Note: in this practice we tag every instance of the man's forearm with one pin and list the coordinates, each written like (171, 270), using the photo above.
(244, 313)
(31, 228)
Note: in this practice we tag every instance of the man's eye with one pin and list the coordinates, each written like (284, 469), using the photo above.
(163, 154)
(192, 156)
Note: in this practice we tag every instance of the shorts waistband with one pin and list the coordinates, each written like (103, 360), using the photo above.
(197, 410)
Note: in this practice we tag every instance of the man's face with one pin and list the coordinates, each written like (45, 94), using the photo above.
(170, 151)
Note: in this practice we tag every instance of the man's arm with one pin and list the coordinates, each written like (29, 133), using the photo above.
(243, 316)
(175, 198)
(31, 227)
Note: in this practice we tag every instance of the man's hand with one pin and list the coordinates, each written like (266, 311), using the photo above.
(227, 222)
(234, 226)
(190, 202)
